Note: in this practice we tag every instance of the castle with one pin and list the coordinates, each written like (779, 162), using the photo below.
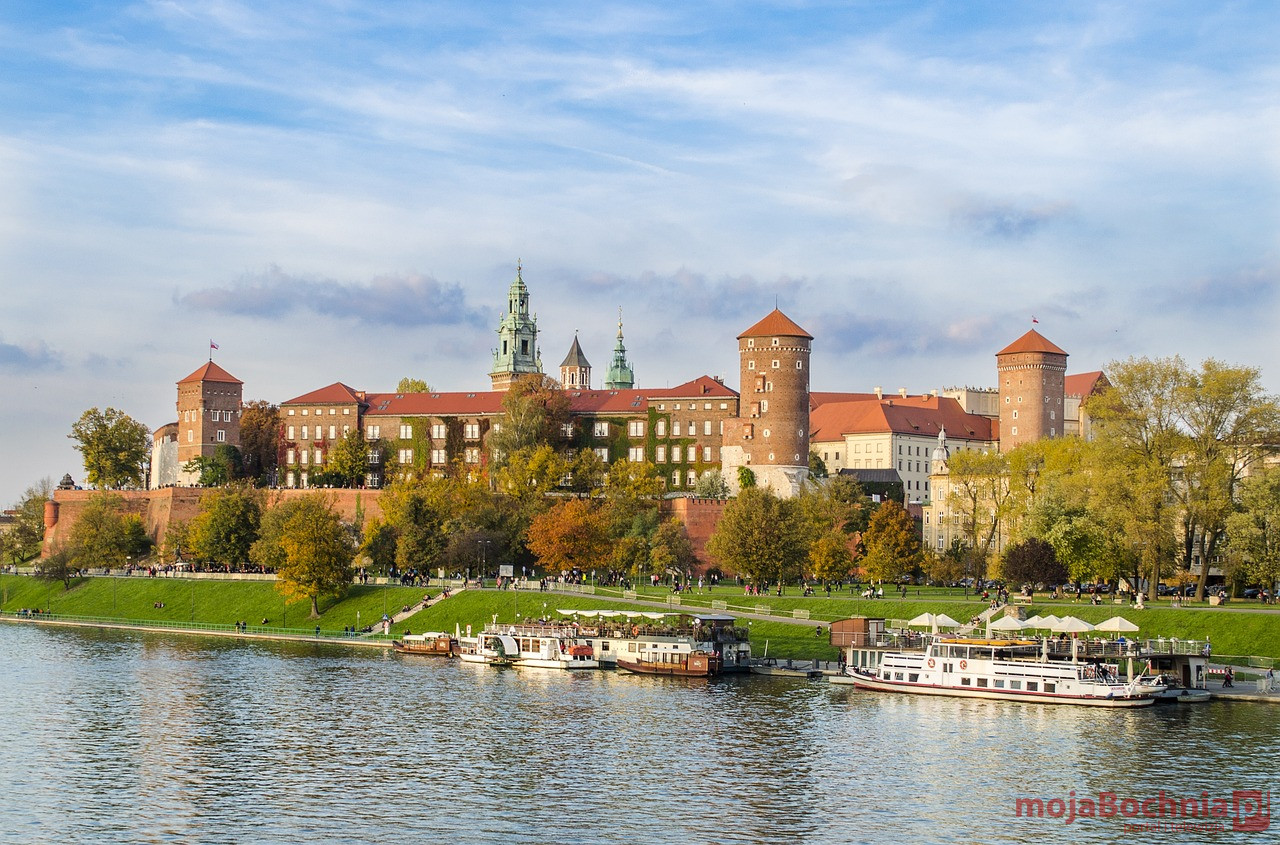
(769, 426)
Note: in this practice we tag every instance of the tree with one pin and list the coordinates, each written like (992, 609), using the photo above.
(631, 489)
(817, 466)
(746, 478)
(711, 485)
(978, 492)
(830, 558)
(348, 461)
(1032, 561)
(24, 539)
(59, 566)
(534, 410)
(569, 536)
(670, 550)
(758, 537)
(413, 385)
(222, 467)
(227, 525)
(378, 548)
(893, 543)
(115, 447)
(1254, 531)
(310, 550)
(104, 536)
(418, 515)
(260, 441)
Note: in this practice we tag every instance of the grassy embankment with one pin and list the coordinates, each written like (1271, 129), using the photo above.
(225, 602)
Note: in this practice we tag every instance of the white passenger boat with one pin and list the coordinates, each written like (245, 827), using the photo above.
(642, 640)
(1016, 670)
(527, 646)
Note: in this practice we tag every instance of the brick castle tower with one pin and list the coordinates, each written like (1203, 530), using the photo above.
(771, 433)
(1031, 373)
(209, 402)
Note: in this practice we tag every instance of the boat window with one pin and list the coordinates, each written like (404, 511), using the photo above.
(897, 676)
(604, 645)
(1015, 685)
(913, 677)
(1048, 687)
(964, 682)
(631, 646)
(1032, 686)
(999, 683)
(982, 682)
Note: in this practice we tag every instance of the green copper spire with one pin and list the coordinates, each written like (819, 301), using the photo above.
(517, 352)
(620, 376)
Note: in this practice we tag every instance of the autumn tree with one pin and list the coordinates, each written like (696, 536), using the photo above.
(632, 488)
(670, 550)
(309, 548)
(348, 461)
(419, 520)
(978, 492)
(116, 448)
(227, 525)
(533, 411)
(105, 536)
(892, 542)
(830, 558)
(24, 538)
(260, 441)
(758, 537)
(412, 385)
(571, 535)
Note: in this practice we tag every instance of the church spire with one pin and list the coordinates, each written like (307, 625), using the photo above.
(620, 375)
(517, 352)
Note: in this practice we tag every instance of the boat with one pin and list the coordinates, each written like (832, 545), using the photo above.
(1166, 689)
(432, 644)
(619, 637)
(674, 662)
(1012, 670)
(788, 669)
(528, 646)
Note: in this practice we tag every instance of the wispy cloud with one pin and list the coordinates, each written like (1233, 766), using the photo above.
(28, 356)
(392, 301)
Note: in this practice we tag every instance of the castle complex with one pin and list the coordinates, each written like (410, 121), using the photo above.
(703, 426)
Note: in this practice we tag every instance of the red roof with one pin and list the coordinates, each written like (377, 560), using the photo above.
(477, 403)
(211, 372)
(699, 387)
(775, 324)
(1083, 384)
(819, 398)
(917, 415)
(335, 394)
(1032, 341)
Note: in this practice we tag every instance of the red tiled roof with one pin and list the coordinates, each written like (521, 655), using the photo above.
(478, 403)
(1032, 341)
(335, 394)
(775, 324)
(820, 398)
(1083, 384)
(701, 386)
(917, 415)
(211, 372)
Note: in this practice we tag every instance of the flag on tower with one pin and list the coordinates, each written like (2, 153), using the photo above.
(213, 345)
(1033, 319)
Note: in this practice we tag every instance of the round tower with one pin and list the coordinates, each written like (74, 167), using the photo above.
(1032, 376)
(771, 434)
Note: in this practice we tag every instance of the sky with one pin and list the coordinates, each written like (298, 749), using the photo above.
(341, 190)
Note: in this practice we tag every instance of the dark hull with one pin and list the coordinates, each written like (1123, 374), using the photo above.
(697, 666)
(423, 649)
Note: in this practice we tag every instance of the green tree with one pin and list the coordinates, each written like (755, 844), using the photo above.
(413, 385)
(59, 566)
(348, 461)
(227, 525)
(105, 536)
(830, 558)
(711, 485)
(24, 539)
(533, 411)
(260, 441)
(817, 466)
(746, 478)
(304, 541)
(115, 447)
(1254, 531)
(378, 548)
(979, 493)
(670, 550)
(759, 538)
(893, 543)
(1032, 561)
(419, 518)
(222, 467)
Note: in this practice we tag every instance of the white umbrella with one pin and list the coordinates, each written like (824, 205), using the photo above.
(1071, 625)
(924, 619)
(1118, 625)
(1033, 622)
(944, 621)
(1006, 623)
(1049, 621)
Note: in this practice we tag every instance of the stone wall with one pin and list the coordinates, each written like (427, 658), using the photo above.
(700, 518)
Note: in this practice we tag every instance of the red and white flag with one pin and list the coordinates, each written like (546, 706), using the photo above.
(213, 345)
(1033, 319)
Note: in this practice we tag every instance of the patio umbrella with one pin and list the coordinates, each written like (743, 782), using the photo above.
(942, 620)
(1006, 623)
(1071, 625)
(1033, 622)
(1047, 622)
(924, 619)
(1117, 625)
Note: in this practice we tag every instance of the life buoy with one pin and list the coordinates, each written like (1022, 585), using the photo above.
(635, 630)
(931, 663)
(964, 665)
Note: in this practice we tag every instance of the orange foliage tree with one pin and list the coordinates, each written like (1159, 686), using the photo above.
(571, 535)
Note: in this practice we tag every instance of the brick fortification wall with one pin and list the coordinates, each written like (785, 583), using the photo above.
(700, 518)
(160, 508)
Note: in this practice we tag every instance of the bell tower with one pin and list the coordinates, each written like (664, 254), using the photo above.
(517, 353)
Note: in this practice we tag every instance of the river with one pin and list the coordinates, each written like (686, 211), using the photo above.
(116, 736)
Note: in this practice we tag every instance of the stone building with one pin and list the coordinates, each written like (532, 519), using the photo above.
(771, 435)
(209, 407)
(1031, 373)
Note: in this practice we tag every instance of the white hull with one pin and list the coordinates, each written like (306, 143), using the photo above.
(878, 685)
(526, 652)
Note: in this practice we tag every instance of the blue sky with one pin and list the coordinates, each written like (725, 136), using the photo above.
(341, 190)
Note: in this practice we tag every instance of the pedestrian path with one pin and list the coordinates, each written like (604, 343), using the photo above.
(420, 606)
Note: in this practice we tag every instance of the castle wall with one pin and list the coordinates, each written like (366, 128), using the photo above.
(700, 518)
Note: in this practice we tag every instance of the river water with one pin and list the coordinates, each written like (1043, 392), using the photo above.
(114, 736)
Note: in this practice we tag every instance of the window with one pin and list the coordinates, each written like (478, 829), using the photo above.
(319, 412)
(675, 454)
(776, 363)
(216, 415)
(222, 436)
(751, 341)
(635, 428)
(333, 432)
(288, 478)
(660, 456)
(706, 428)
(692, 478)
(706, 406)
(471, 455)
(603, 453)
(1015, 413)
(372, 479)
(635, 454)
(693, 454)
(304, 433)
(304, 412)
(437, 431)
(471, 431)
(724, 406)
(302, 457)
(371, 432)
(751, 365)
(406, 432)
(374, 457)
(346, 412)
(764, 407)
(406, 456)
(566, 430)
(319, 459)
(438, 457)
(706, 454)
(799, 365)
(1015, 430)
(291, 412)
(600, 429)
(675, 478)
(662, 428)
(675, 428)
(291, 457)
(290, 437)
(191, 435)
(346, 429)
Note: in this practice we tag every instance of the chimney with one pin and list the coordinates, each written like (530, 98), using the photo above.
(902, 391)
(879, 392)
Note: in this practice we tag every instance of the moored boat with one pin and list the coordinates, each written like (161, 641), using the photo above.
(674, 663)
(619, 637)
(1014, 670)
(528, 646)
(431, 644)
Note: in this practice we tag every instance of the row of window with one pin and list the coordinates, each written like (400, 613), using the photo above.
(346, 412)
(215, 414)
(777, 365)
(333, 432)
(693, 406)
